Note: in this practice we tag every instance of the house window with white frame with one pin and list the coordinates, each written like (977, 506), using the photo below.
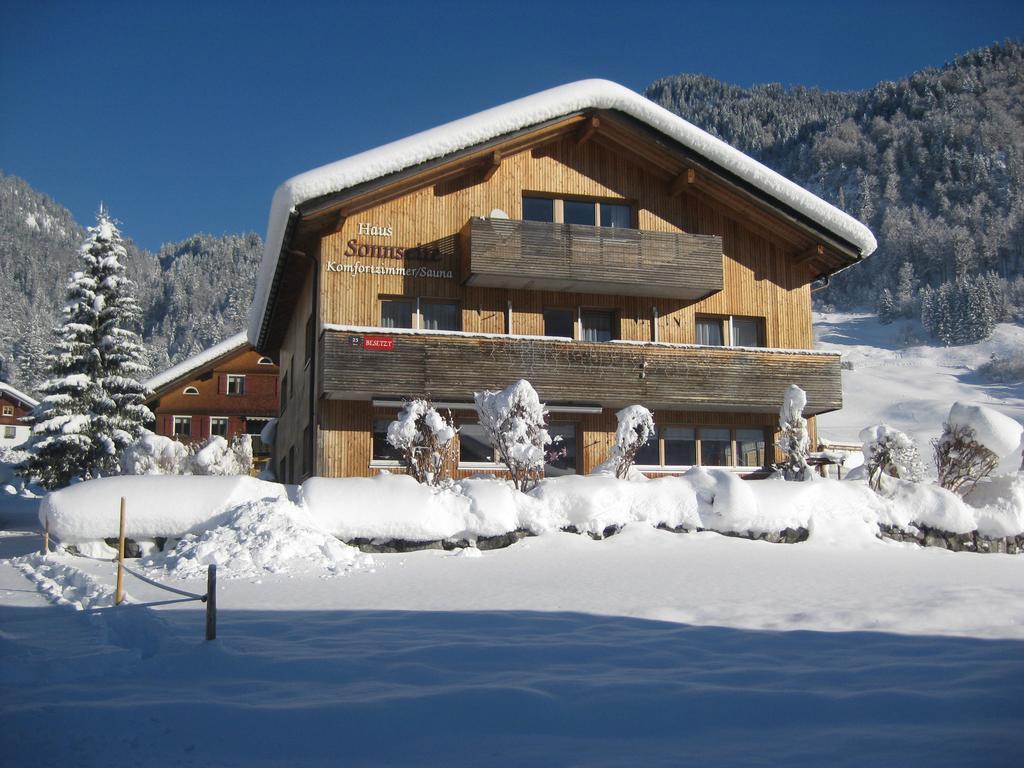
(8, 410)
(236, 384)
(182, 426)
(730, 331)
(219, 426)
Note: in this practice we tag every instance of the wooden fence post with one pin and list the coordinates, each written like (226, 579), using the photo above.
(119, 593)
(46, 537)
(211, 602)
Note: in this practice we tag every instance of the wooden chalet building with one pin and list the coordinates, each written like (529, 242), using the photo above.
(584, 239)
(14, 406)
(226, 390)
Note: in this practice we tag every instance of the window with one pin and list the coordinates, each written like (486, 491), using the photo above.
(9, 433)
(219, 426)
(254, 428)
(182, 426)
(597, 325)
(396, 313)
(474, 447)
(715, 447)
(748, 332)
(707, 446)
(750, 447)
(8, 410)
(538, 209)
(560, 453)
(236, 384)
(559, 322)
(578, 211)
(264, 361)
(709, 331)
(440, 316)
(383, 451)
(190, 391)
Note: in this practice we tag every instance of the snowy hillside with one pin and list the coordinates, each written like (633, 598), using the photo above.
(910, 387)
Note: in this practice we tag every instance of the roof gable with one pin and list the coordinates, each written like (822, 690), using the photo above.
(491, 124)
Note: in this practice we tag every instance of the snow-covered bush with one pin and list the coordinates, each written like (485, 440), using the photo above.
(514, 421)
(425, 441)
(794, 441)
(218, 457)
(973, 442)
(154, 454)
(889, 452)
(635, 430)
(1004, 369)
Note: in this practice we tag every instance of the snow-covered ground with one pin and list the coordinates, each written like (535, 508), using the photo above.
(909, 387)
(645, 648)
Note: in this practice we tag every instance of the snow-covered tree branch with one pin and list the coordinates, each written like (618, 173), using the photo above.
(425, 440)
(514, 420)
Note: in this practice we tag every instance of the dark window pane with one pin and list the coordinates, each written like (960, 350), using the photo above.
(578, 212)
(474, 445)
(538, 209)
(750, 447)
(649, 455)
(183, 425)
(558, 322)
(680, 447)
(709, 331)
(747, 332)
(440, 317)
(597, 326)
(218, 426)
(395, 314)
(616, 216)
(560, 453)
(382, 450)
(715, 447)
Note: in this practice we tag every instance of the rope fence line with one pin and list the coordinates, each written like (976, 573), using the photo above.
(210, 598)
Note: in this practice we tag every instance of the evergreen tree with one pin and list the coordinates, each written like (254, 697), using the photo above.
(886, 307)
(92, 403)
(906, 290)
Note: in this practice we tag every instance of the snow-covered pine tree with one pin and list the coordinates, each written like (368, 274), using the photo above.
(885, 307)
(906, 291)
(121, 415)
(92, 401)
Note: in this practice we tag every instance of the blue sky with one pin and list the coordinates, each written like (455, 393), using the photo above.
(184, 117)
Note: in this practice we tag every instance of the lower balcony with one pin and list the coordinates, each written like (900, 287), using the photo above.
(363, 363)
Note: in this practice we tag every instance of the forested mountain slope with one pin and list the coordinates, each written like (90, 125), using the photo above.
(934, 164)
(193, 293)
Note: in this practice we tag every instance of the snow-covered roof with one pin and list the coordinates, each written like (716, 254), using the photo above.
(18, 395)
(197, 361)
(517, 115)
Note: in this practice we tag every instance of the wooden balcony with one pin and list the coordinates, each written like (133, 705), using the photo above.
(502, 253)
(452, 366)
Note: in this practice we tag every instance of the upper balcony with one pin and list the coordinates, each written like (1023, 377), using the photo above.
(364, 363)
(535, 255)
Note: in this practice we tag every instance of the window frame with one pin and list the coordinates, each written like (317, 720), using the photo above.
(174, 426)
(727, 328)
(376, 463)
(615, 325)
(558, 207)
(10, 432)
(264, 361)
(662, 467)
(573, 320)
(7, 410)
(416, 312)
(237, 378)
(220, 419)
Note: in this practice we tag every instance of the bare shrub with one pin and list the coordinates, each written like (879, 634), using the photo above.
(960, 459)
(424, 440)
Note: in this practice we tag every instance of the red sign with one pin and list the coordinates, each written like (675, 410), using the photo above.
(378, 342)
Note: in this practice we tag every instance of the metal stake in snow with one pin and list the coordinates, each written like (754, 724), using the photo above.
(211, 602)
(119, 592)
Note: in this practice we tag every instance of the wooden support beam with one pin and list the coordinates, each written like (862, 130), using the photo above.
(588, 130)
(682, 181)
(815, 252)
(491, 166)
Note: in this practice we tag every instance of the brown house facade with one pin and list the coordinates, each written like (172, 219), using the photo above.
(582, 239)
(227, 390)
(14, 406)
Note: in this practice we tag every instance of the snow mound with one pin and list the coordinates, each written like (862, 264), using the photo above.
(261, 536)
(156, 505)
(64, 584)
(999, 505)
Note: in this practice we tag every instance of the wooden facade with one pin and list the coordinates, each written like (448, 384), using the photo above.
(14, 406)
(430, 235)
(203, 394)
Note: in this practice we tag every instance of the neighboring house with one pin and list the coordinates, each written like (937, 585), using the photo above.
(584, 239)
(14, 405)
(225, 390)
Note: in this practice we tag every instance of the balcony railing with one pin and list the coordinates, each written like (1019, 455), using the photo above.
(452, 366)
(502, 253)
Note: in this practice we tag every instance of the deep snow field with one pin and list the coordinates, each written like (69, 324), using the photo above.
(645, 648)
